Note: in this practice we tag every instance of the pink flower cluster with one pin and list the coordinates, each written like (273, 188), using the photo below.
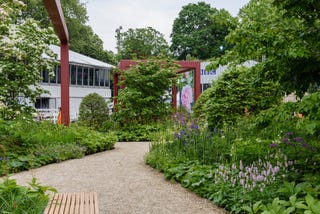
(255, 176)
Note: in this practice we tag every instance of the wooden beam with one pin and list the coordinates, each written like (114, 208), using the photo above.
(55, 12)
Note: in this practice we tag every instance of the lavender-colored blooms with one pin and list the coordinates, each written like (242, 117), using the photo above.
(305, 145)
(289, 134)
(272, 145)
(298, 139)
(241, 182)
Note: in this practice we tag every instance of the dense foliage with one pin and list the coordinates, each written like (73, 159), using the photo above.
(200, 31)
(22, 45)
(27, 144)
(93, 111)
(287, 45)
(141, 43)
(239, 91)
(268, 162)
(20, 199)
(145, 98)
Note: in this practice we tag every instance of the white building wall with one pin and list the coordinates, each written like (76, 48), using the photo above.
(76, 96)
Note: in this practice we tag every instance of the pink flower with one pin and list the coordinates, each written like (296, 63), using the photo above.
(187, 97)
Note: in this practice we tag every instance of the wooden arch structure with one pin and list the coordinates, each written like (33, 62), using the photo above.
(185, 66)
(56, 16)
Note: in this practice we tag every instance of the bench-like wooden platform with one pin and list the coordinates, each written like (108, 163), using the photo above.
(73, 203)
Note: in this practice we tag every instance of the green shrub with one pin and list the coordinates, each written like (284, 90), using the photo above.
(27, 144)
(93, 111)
(20, 199)
(238, 92)
(138, 132)
(98, 142)
(144, 98)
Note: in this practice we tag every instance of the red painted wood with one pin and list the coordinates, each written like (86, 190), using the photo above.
(65, 98)
(55, 13)
(174, 97)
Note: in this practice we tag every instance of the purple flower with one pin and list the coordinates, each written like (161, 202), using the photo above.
(285, 140)
(242, 182)
(289, 134)
(272, 145)
(260, 178)
(305, 145)
(298, 139)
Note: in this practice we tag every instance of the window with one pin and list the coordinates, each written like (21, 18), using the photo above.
(101, 73)
(85, 76)
(79, 75)
(42, 103)
(97, 74)
(58, 74)
(91, 76)
(45, 76)
(73, 74)
(107, 78)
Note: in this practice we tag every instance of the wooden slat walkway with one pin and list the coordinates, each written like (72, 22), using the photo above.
(73, 203)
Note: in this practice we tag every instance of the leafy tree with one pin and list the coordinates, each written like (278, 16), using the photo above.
(239, 91)
(200, 31)
(82, 38)
(22, 45)
(285, 44)
(93, 111)
(145, 96)
(141, 43)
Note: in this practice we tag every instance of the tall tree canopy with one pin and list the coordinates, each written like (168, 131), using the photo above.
(200, 30)
(286, 45)
(82, 38)
(141, 43)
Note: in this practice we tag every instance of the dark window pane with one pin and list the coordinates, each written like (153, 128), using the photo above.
(101, 77)
(45, 76)
(79, 75)
(97, 77)
(85, 76)
(91, 76)
(73, 76)
(58, 75)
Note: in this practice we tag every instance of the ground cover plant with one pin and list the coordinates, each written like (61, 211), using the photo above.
(265, 163)
(21, 199)
(28, 144)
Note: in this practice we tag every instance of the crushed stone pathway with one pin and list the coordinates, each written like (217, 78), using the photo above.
(124, 183)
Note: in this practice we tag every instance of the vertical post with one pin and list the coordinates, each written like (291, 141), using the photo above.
(196, 80)
(65, 99)
(115, 89)
(174, 97)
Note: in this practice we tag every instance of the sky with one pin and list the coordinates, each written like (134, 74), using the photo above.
(105, 16)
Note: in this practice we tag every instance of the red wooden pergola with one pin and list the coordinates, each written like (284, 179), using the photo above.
(185, 66)
(55, 12)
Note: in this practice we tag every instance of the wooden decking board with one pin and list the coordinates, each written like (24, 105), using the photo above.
(73, 203)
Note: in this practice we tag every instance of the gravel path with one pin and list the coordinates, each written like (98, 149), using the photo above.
(123, 182)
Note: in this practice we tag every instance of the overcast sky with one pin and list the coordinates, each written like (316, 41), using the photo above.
(105, 16)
